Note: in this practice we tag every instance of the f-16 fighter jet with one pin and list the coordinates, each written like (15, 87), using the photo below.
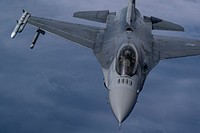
(126, 48)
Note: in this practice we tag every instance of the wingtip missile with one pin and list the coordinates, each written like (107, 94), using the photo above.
(13, 34)
(21, 23)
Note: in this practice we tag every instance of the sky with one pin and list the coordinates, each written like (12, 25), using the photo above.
(58, 86)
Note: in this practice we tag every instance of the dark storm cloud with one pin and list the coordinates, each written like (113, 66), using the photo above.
(58, 87)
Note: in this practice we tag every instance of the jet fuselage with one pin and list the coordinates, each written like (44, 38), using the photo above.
(128, 61)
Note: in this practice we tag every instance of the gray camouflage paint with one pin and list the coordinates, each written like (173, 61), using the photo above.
(170, 80)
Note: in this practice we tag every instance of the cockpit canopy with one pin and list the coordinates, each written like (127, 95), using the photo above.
(126, 62)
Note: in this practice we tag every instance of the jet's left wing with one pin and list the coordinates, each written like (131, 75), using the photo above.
(171, 47)
(81, 34)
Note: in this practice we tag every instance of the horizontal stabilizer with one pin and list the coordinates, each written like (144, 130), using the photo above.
(159, 24)
(97, 16)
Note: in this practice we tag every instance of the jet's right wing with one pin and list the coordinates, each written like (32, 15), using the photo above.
(81, 34)
(172, 47)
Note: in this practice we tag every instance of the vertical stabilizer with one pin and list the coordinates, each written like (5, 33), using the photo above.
(130, 15)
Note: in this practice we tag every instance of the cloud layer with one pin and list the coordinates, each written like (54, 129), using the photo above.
(58, 86)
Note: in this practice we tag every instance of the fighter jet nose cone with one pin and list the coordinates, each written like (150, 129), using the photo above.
(122, 101)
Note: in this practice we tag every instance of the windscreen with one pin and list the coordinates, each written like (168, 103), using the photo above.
(126, 62)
